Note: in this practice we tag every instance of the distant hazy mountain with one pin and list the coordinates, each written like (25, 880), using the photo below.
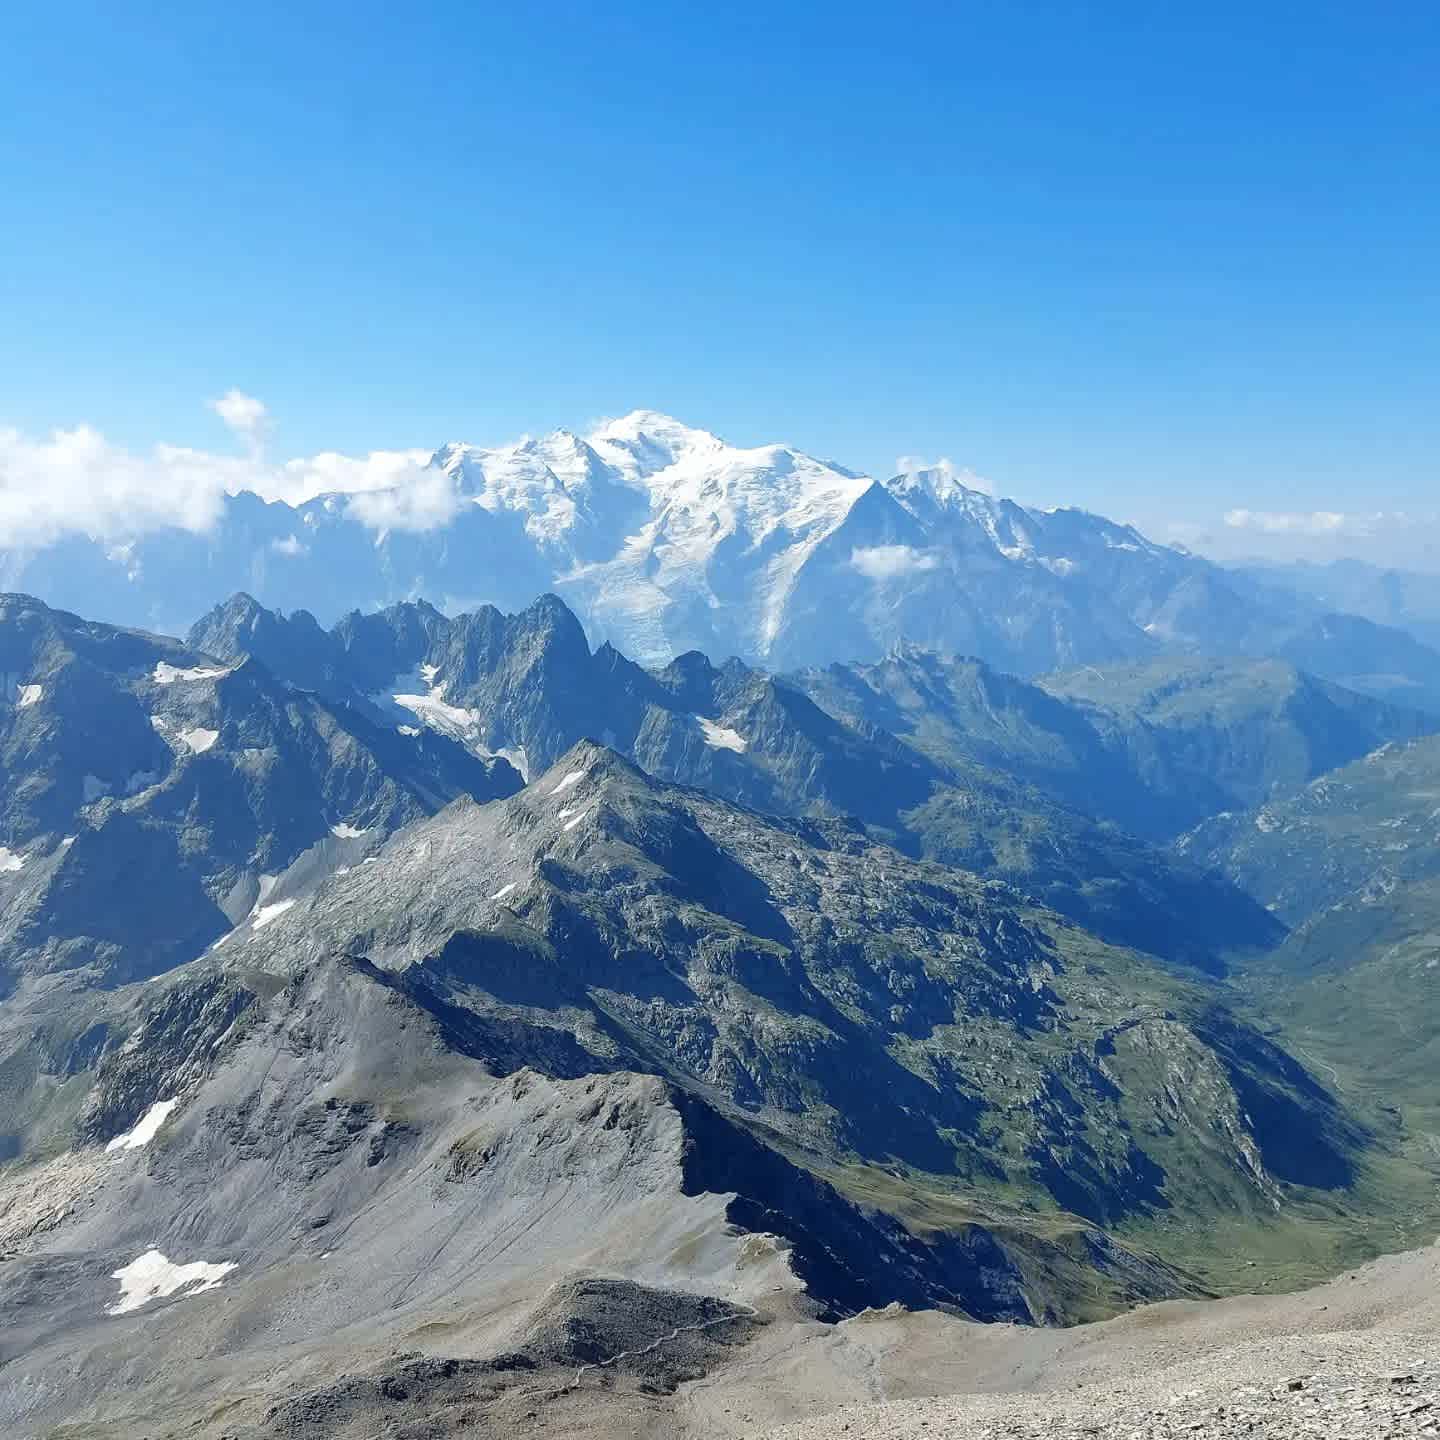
(1351, 862)
(1344, 850)
(1154, 746)
(664, 539)
(1401, 599)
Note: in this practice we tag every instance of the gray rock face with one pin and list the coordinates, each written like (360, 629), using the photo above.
(447, 1105)
(528, 686)
(855, 1000)
(151, 795)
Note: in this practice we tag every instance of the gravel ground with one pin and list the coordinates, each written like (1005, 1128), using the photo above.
(1355, 1359)
(1329, 1387)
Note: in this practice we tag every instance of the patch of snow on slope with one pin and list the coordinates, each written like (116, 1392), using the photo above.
(9, 860)
(571, 824)
(264, 914)
(199, 740)
(166, 674)
(28, 695)
(345, 831)
(504, 890)
(719, 737)
(573, 778)
(430, 706)
(152, 1277)
(516, 756)
(410, 730)
(146, 1128)
(452, 720)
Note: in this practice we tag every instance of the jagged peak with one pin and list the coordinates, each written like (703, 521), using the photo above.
(596, 761)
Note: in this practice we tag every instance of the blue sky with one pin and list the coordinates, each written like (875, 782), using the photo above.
(1160, 261)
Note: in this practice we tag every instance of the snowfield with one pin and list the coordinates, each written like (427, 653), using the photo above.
(152, 1277)
(146, 1128)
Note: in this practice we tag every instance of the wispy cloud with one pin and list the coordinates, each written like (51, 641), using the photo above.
(913, 464)
(1306, 522)
(245, 415)
(426, 500)
(76, 482)
(331, 474)
(890, 562)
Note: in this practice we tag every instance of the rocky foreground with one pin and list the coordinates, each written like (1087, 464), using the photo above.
(1344, 1388)
(1357, 1359)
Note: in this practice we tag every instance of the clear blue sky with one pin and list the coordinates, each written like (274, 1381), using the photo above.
(1143, 257)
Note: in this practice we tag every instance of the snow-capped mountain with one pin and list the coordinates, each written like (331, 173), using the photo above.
(665, 538)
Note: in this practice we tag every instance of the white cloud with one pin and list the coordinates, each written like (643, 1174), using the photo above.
(427, 499)
(911, 464)
(890, 562)
(332, 474)
(291, 545)
(76, 482)
(244, 414)
(1302, 522)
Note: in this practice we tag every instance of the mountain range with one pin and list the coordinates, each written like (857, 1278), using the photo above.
(663, 538)
(1038, 793)
(445, 1022)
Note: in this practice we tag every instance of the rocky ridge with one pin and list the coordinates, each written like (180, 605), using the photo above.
(527, 686)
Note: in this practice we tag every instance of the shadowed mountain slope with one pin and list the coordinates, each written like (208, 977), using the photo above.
(527, 687)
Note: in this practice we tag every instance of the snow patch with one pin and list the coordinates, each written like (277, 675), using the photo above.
(438, 714)
(515, 755)
(9, 860)
(504, 890)
(28, 695)
(345, 831)
(719, 737)
(428, 673)
(264, 914)
(166, 674)
(199, 740)
(146, 1128)
(409, 730)
(573, 778)
(152, 1276)
(571, 824)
